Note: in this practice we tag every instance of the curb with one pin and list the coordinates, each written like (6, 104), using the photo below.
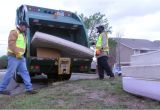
(2, 70)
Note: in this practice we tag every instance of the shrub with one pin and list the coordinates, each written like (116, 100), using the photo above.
(3, 62)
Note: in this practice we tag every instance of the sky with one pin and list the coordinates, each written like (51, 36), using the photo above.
(139, 19)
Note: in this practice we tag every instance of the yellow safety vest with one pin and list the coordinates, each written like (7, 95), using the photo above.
(99, 43)
(20, 43)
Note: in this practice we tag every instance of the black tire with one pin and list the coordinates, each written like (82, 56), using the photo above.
(52, 76)
(67, 76)
(92, 71)
(18, 78)
(56, 77)
(64, 77)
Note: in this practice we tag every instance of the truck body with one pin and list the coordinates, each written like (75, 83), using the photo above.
(64, 24)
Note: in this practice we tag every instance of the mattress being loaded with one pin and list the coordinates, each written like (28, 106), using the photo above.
(67, 48)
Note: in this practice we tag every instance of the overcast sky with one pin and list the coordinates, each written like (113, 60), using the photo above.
(138, 19)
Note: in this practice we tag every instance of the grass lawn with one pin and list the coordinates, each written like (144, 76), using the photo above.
(80, 94)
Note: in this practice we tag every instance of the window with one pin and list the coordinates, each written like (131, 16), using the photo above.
(136, 51)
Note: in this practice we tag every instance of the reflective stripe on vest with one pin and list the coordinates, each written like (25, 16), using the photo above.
(99, 43)
(20, 43)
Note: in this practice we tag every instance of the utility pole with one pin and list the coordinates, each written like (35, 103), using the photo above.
(118, 36)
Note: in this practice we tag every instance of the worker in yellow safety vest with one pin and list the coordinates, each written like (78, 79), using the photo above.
(16, 59)
(102, 52)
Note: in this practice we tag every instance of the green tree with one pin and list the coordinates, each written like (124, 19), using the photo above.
(92, 22)
(112, 51)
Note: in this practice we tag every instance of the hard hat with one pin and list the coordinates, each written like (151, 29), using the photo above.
(100, 27)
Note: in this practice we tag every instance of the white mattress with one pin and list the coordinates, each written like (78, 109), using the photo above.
(67, 48)
(142, 87)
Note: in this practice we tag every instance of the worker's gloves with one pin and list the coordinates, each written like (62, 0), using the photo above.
(19, 56)
(98, 52)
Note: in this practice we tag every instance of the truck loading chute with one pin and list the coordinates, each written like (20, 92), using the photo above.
(65, 47)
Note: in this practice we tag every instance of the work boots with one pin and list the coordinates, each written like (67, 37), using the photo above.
(31, 92)
(5, 92)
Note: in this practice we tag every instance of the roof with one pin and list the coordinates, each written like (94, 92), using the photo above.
(142, 44)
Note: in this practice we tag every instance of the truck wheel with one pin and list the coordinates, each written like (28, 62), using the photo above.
(67, 76)
(64, 77)
(17, 78)
(52, 77)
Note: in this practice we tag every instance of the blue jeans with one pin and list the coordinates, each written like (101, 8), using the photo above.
(13, 65)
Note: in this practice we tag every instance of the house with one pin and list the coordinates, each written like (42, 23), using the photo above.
(127, 47)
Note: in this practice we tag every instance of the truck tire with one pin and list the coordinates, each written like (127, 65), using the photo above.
(64, 77)
(52, 77)
(17, 78)
(56, 77)
(67, 76)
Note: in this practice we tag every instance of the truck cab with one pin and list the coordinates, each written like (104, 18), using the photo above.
(61, 23)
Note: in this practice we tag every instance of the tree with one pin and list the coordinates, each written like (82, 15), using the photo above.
(92, 22)
(112, 51)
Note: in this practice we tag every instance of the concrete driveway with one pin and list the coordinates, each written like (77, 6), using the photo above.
(40, 82)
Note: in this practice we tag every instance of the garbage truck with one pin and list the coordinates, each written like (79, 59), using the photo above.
(51, 61)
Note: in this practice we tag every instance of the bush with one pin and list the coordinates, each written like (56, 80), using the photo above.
(3, 62)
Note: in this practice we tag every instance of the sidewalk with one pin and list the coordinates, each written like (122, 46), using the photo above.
(76, 76)
(2, 70)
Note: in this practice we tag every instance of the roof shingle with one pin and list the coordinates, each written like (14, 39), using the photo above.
(140, 43)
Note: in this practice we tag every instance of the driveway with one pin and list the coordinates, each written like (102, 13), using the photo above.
(40, 82)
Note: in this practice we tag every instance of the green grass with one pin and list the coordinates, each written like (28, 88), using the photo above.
(81, 94)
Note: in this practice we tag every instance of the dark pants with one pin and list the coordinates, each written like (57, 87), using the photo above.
(104, 66)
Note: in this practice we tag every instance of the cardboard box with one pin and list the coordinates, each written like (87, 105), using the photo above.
(47, 53)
